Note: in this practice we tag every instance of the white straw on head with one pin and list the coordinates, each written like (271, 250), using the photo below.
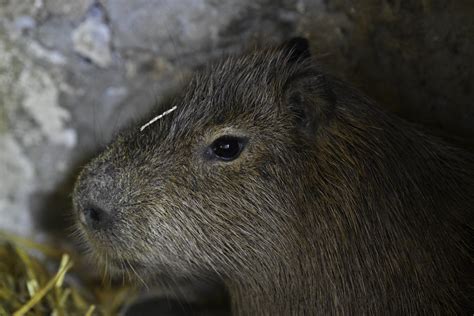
(156, 118)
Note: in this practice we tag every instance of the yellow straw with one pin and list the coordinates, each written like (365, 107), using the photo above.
(90, 310)
(64, 266)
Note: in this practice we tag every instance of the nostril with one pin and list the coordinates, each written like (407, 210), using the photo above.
(94, 216)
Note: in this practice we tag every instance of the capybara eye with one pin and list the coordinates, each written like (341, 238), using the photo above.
(227, 148)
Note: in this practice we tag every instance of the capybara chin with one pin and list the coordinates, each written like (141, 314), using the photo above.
(297, 192)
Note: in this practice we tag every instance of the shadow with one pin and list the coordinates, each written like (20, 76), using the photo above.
(412, 57)
(52, 212)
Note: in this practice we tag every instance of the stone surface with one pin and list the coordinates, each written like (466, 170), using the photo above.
(17, 176)
(92, 38)
(73, 72)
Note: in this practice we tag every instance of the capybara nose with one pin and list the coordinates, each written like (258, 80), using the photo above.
(95, 217)
(95, 197)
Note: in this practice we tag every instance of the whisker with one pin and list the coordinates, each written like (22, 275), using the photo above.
(137, 275)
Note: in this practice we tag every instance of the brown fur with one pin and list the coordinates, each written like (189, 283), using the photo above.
(333, 207)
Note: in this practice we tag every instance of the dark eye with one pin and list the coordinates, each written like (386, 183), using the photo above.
(227, 148)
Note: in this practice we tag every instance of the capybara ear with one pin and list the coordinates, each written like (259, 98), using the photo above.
(307, 92)
(297, 49)
(310, 99)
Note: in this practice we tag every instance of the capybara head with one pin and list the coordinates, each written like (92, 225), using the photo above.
(211, 186)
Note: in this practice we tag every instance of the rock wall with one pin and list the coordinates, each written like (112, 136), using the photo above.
(72, 72)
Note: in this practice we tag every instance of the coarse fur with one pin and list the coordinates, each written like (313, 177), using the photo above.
(333, 207)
